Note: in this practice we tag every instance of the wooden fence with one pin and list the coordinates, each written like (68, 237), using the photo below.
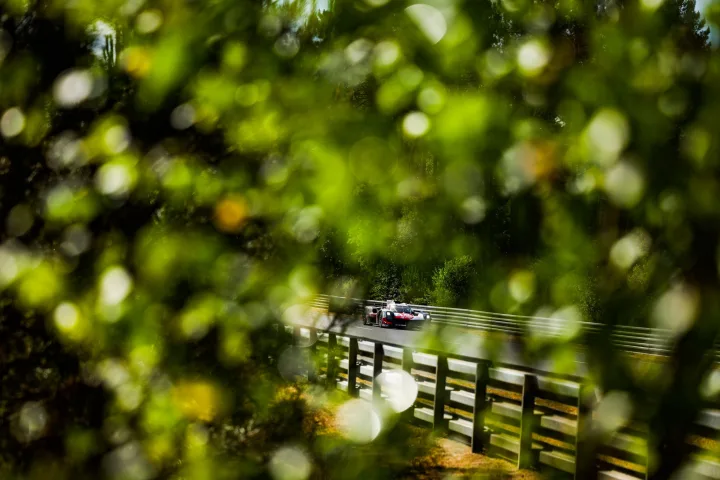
(534, 419)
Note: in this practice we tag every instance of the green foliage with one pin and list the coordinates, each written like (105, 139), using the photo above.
(452, 283)
(178, 176)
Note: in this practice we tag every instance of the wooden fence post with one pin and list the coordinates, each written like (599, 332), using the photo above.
(482, 375)
(331, 376)
(353, 367)
(312, 354)
(407, 365)
(585, 447)
(526, 421)
(378, 358)
(407, 360)
(441, 372)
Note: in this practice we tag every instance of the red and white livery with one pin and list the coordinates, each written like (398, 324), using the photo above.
(391, 315)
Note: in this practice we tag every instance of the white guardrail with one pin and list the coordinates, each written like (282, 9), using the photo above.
(634, 339)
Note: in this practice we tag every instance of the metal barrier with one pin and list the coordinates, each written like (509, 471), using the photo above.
(633, 339)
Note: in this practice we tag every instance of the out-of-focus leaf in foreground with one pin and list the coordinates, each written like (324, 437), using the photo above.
(178, 176)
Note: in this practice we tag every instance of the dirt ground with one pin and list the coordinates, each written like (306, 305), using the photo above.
(449, 459)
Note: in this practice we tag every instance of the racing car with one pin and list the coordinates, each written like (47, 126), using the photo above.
(420, 318)
(394, 315)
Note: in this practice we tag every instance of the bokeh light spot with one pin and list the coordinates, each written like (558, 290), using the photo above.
(522, 286)
(533, 56)
(627, 250)
(183, 116)
(386, 53)
(149, 21)
(198, 400)
(608, 133)
(128, 462)
(76, 240)
(231, 213)
(66, 151)
(306, 227)
(429, 19)
(431, 99)
(473, 209)
(72, 88)
(416, 124)
(66, 317)
(613, 411)
(287, 46)
(358, 50)
(290, 463)
(115, 285)
(358, 421)
(676, 309)
(114, 179)
(129, 396)
(137, 61)
(624, 184)
(9, 266)
(31, 422)
(399, 387)
(12, 122)
(651, 4)
(117, 139)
